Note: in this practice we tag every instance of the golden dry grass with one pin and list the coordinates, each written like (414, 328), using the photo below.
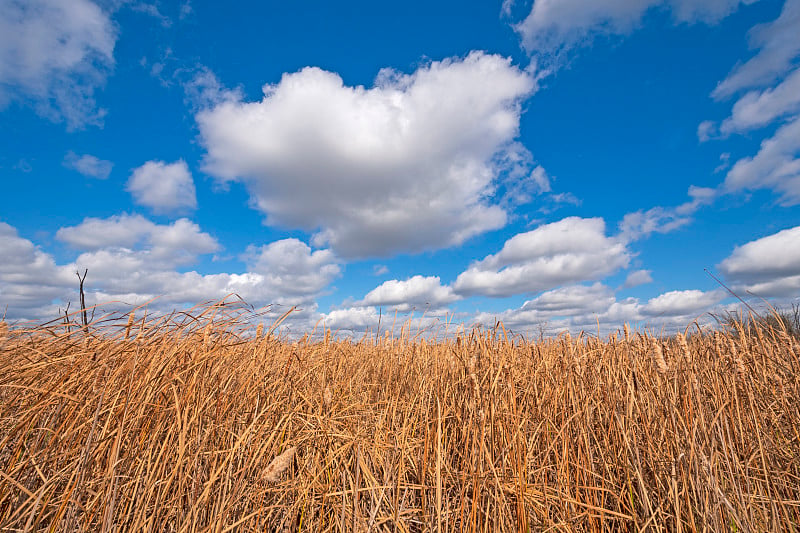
(192, 425)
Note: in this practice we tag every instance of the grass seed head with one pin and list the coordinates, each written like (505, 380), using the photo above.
(279, 465)
(129, 325)
(658, 357)
(684, 346)
(327, 396)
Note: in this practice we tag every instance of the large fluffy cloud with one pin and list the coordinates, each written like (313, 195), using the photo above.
(406, 165)
(568, 251)
(555, 26)
(55, 54)
(769, 266)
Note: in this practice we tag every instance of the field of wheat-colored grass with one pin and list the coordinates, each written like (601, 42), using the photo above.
(199, 423)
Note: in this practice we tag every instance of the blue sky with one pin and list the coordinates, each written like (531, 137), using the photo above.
(554, 165)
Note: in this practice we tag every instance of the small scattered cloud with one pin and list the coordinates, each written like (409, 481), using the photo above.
(540, 179)
(568, 251)
(552, 202)
(359, 320)
(682, 303)
(88, 165)
(724, 162)
(553, 28)
(23, 165)
(163, 187)
(641, 224)
(523, 179)
(185, 9)
(380, 270)
(417, 292)
(163, 68)
(290, 268)
(571, 299)
(707, 130)
(203, 90)
(352, 319)
(177, 243)
(152, 11)
(565, 198)
(637, 278)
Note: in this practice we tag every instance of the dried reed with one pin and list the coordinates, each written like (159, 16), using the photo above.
(190, 423)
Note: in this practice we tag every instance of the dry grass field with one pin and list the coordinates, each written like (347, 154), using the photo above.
(196, 423)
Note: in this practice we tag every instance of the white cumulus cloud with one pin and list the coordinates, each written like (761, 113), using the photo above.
(132, 260)
(418, 292)
(778, 47)
(30, 279)
(638, 277)
(568, 251)
(163, 187)
(767, 267)
(88, 165)
(588, 307)
(54, 55)
(291, 268)
(572, 299)
(556, 26)
(640, 224)
(759, 108)
(359, 320)
(175, 243)
(776, 166)
(406, 165)
(682, 303)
